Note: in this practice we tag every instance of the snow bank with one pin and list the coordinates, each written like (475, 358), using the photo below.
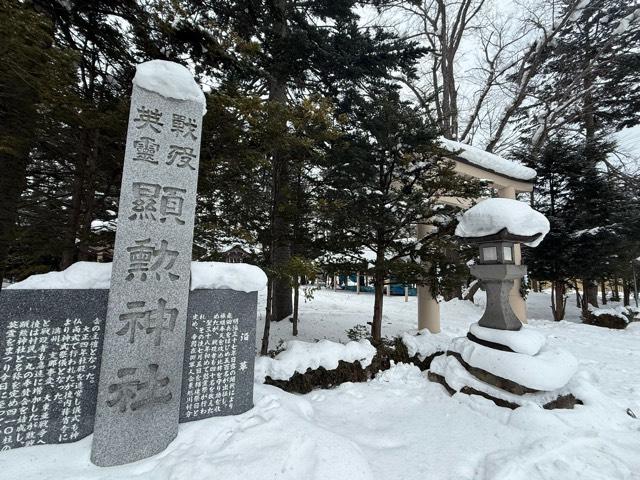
(524, 340)
(234, 276)
(170, 80)
(278, 439)
(204, 275)
(424, 343)
(489, 161)
(550, 369)
(80, 275)
(494, 214)
(300, 356)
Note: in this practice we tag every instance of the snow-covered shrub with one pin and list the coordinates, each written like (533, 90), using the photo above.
(618, 317)
(302, 367)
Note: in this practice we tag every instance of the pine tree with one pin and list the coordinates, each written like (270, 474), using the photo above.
(284, 51)
(384, 176)
(33, 72)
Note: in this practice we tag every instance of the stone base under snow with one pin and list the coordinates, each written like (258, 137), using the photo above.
(548, 370)
(511, 368)
(449, 372)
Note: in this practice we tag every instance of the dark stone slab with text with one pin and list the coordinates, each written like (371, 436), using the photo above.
(219, 356)
(50, 350)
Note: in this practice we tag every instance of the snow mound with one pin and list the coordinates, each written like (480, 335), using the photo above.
(300, 356)
(204, 275)
(80, 275)
(424, 343)
(457, 377)
(524, 340)
(489, 161)
(169, 79)
(401, 373)
(624, 313)
(234, 276)
(495, 214)
(550, 369)
(278, 439)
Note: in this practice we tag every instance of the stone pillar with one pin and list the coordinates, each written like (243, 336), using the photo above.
(140, 382)
(428, 307)
(406, 293)
(358, 283)
(518, 303)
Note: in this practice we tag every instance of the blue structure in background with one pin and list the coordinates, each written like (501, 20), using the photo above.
(396, 288)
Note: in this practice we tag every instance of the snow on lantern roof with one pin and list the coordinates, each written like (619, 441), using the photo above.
(495, 215)
(488, 161)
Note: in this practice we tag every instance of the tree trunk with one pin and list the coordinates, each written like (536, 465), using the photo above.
(558, 299)
(535, 286)
(589, 294)
(281, 222)
(603, 292)
(12, 183)
(626, 293)
(376, 324)
(71, 228)
(379, 276)
(472, 291)
(264, 349)
(296, 302)
(615, 292)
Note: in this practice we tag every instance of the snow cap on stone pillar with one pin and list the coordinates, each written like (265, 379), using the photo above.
(169, 79)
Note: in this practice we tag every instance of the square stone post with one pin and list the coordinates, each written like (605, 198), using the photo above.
(518, 304)
(138, 402)
(428, 307)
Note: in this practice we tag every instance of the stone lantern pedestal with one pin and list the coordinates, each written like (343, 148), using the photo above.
(498, 280)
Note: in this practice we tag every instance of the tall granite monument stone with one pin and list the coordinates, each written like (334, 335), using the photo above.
(139, 390)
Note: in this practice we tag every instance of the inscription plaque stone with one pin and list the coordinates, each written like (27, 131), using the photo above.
(219, 354)
(138, 403)
(54, 339)
(50, 347)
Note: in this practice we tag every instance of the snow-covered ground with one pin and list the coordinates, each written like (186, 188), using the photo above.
(399, 425)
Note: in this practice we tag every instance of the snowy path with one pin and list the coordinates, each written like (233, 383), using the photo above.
(398, 426)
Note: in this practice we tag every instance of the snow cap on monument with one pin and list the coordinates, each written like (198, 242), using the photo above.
(496, 214)
(169, 79)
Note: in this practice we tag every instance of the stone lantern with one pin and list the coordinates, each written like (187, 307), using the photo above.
(497, 271)
(499, 358)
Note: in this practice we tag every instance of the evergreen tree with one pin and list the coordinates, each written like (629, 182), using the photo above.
(33, 73)
(282, 52)
(383, 176)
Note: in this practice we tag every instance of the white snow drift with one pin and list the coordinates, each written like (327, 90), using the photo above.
(204, 275)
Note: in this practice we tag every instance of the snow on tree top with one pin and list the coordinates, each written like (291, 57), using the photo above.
(489, 161)
(495, 214)
(241, 277)
(170, 80)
